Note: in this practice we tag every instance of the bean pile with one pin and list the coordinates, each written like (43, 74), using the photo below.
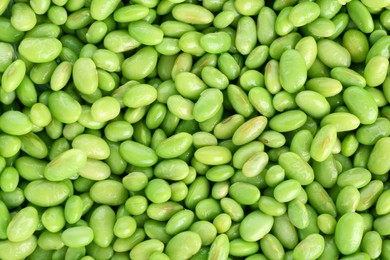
(186, 129)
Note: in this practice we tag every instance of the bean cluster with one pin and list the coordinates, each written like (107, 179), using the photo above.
(188, 129)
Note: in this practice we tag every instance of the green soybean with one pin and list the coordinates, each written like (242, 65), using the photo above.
(349, 232)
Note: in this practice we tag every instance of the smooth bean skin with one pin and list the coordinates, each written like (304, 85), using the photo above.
(360, 16)
(102, 223)
(9, 179)
(249, 130)
(380, 225)
(285, 232)
(343, 121)
(313, 103)
(217, 42)
(179, 222)
(382, 207)
(183, 245)
(239, 100)
(18, 250)
(146, 248)
(325, 86)
(40, 50)
(73, 209)
(323, 143)
(22, 225)
(246, 38)
(15, 122)
(304, 13)
(378, 65)
(5, 220)
(137, 154)
(145, 60)
(288, 121)
(59, 169)
(261, 100)
(219, 248)
(77, 236)
(45, 193)
(287, 190)
(100, 10)
(145, 33)
(319, 199)
(64, 108)
(326, 223)
(349, 233)
(372, 244)
(23, 17)
(376, 162)
(292, 77)
(192, 14)
(173, 169)
(347, 199)
(108, 192)
(271, 247)
(255, 226)
(357, 177)
(174, 146)
(241, 248)
(13, 76)
(369, 194)
(213, 155)
(9, 145)
(296, 168)
(309, 248)
(244, 193)
(357, 44)
(208, 104)
(333, 54)
(367, 110)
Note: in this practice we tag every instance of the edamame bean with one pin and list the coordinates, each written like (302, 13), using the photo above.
(22, 225)
(249, 130)
(64, 108)
(367, 110)
(292, 77)
(381, 204)
(287, 190)
(357, 44)
(77, 236)
(288, 121)
(319, 199)
(13, 75)
(46, 193)
(36, 49)
(375, 162)
(23, 17)
(343, 121)
(309, 248)
(208, 104)
(285, 232)
(304, 13)
(108, 192)
(255, 226)
(323, 143)
(183, 245)
(349, 233)
(213, 155)
(360, 16)
(296, 168)
(333, 54)
(17, 250)
(192, 14)
(145, 60)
